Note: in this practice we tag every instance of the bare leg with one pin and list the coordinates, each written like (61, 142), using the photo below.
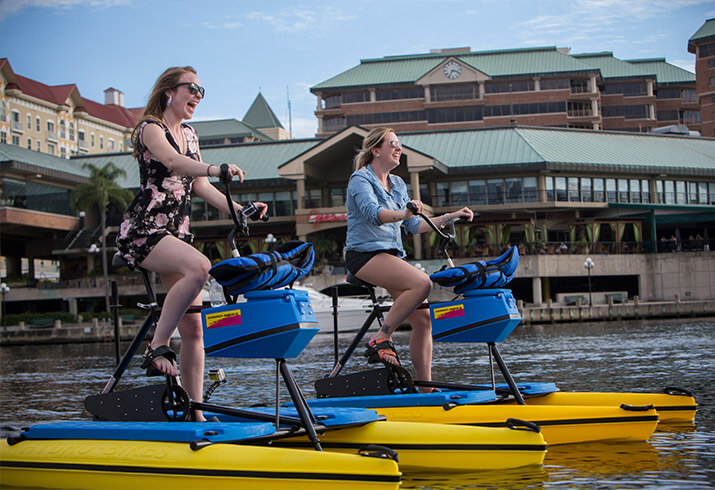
(409, 287)
(184, 271)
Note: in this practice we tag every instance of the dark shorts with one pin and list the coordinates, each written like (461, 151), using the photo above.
(355, 260)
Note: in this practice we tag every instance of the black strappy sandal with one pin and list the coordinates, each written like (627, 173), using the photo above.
(151, 354)
(376, 352)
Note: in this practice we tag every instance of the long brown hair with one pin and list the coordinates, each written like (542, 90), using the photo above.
(374, 139)
(156, 105)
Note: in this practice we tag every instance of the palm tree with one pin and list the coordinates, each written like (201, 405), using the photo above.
(101, 190)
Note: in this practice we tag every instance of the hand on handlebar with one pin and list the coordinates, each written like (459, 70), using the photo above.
(414, 206)
(464, 213)
(229, 171)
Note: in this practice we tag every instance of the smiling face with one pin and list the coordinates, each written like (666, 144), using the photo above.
(183, 102)
(389, 152)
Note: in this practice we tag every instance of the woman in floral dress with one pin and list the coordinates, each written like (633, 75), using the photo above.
(155, 231)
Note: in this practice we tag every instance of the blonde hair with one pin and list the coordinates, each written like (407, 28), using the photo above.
(374, 139)
(158, 99)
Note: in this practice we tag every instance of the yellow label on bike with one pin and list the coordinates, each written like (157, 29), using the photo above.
(220, 319)
(446, 312)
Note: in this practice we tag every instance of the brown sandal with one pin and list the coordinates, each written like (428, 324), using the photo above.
(376, 351)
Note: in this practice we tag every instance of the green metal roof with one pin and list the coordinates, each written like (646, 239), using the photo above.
(664, 71)
(34, 161)
(408, 69)
(226, 128)
(581, 150)
(259, 160)
(613, 67)
(706, 30)
(260, 115)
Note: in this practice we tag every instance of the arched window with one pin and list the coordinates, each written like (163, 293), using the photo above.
(62, 129)
(71, 131)
(3, 111)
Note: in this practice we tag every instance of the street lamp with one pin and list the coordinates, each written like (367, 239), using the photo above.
(4, 289)
(270, 240)
(588, 264)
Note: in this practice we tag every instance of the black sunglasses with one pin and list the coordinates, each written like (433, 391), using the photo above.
(193, 88)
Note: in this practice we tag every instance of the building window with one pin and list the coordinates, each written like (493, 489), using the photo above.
(611, 190)
(337, 196)
(554, 84)
(38, 145)
(38, 124)
(477, 191)
(668, 93)
(514, 190)
(627, 89)
(331, 102)
(3, 137)
(334, 124)
(453, 114)
(399, 93)
(15, 140)
(549, 188)
(599, 194)
(627, 111)
(386, 117)
(3, 111)
(690, 96)
(507, 87)
(28, 122)
(442, 93)
(692, 192)
(670, 115)
(579, 86)
(71, 131)
(530, 191)
(706, 50)
(669, 191)
(586, 192)
(29, 143)
(579, 109)
(50, 148)
(622, 190)
(711, 82)
(62, 129)
(101, 142)
(635, 185)
(110, 144)
(495, 191)
(63, 152)
(91, 139)
(560, 187)
(313, 198)
(645, 191)
(691, 117)
(356, 97)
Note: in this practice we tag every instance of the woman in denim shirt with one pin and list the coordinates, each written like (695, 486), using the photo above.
(376, 203)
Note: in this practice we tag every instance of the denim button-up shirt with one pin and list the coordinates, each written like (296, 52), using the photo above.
(366, 198)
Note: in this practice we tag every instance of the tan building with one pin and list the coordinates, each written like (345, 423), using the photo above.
(458, 88)
(57, 120)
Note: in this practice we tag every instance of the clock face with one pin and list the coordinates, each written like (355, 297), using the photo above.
(452, 70)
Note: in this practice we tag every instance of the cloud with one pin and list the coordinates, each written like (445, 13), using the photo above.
(294, 20)
(225, 25)
(304, 127)
(10, 7)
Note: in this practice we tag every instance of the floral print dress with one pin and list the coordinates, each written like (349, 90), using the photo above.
(163, 205)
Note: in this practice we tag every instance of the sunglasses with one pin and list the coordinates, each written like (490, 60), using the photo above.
(395, 144)
(193, 88)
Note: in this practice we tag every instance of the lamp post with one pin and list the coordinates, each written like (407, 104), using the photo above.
(4, 289)
(588, 264)
(270, 241)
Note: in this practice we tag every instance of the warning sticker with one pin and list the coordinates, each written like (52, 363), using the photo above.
(223, 319)
(446, 312)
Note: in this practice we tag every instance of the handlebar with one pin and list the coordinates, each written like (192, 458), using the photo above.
(446, 238)
(248, 210)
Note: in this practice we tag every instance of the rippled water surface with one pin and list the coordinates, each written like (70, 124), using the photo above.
(49, 383)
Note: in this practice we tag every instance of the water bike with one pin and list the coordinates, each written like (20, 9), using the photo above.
(145, 433)
(485, 312)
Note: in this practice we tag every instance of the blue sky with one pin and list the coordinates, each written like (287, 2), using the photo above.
(282, 47)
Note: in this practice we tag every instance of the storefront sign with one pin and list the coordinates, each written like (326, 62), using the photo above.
(316, 218)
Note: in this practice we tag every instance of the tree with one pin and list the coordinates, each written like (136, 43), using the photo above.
(101, 190)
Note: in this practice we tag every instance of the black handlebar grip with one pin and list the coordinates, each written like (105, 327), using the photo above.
(225, 177)
(411, 206)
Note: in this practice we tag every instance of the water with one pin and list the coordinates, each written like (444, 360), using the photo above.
(49, 382)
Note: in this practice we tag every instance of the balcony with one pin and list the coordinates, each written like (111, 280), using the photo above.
(82, 144)
(16, 126)
(51, 136)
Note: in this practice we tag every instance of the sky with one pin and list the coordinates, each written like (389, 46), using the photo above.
(281, 48)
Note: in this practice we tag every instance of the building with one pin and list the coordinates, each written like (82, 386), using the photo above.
(460, 88)
(641, 204)
(702, 44)
(57, 120)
